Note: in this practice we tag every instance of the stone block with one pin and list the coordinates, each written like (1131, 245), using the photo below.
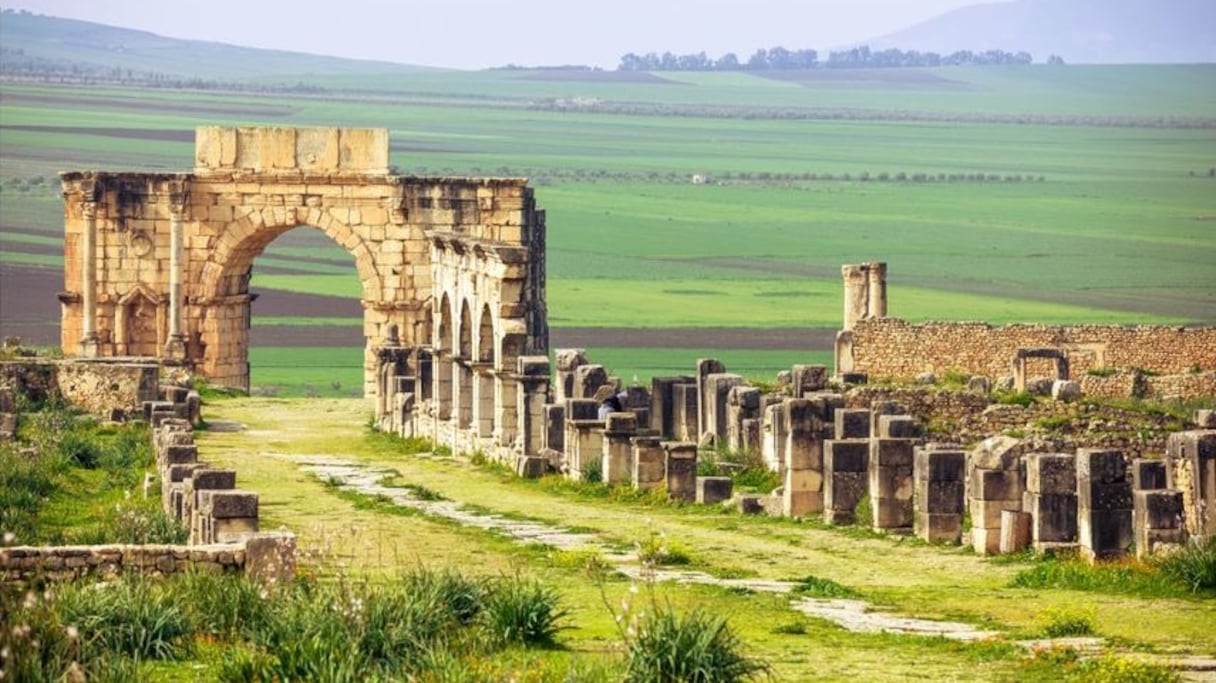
(891, 482)
(1051, 473)
(941, 497)
(936, 464)
(987, 513)
(842, 491)
(995, 484)
(847, 456)
(1100, 466)
(1104, 533)
(979, 384)
(649, 467)
(891, 514)
(228, 503)
(553, 434)
(1098, 496)
(809, 378)
(887, 452)
(986, 541)
(751, 503)
(621, 423)
(233, 529)
(1148, 474)
(531, 466)
(1065, 390)
(852, 423)
(1158, 509)
(201, 479)
(681, 470)
(712, 490)
(179, 455)
(1205, 419)
(938, 528)
(801, 503)
(1055, 517)
(898, 427)
(1015, 531)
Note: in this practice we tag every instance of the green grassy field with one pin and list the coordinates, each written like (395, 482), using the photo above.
(1105, 219)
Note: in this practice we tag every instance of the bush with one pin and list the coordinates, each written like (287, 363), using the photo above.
(523, 611)
(694, 647)
(1065, 623)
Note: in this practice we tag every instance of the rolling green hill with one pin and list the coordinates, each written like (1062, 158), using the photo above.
(30, 39)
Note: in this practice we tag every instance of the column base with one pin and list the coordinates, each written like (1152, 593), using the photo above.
(90, 346)
(175, 348)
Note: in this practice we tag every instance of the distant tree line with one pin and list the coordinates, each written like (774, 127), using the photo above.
(779, 58)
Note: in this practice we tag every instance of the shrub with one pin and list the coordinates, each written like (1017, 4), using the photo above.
(523, 611)
(657, 550)
(815, 586)
(695, 647)
(1065, 623)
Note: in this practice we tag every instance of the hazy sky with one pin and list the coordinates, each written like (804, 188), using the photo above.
(481, 33)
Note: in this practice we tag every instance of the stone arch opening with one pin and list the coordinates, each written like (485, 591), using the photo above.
(464, 366)
(228, 276)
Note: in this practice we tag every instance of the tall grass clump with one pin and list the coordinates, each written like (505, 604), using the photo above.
(1194, 566)
(137, 619)
(664, 645)
(520, 610)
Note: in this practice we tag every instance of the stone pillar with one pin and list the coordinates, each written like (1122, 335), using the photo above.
(1051, 500)
(88, 283)
(808, 379)
(876, 290)
(1148, 475)
(484, 406)
(993, 491)
(680, 469)
(773, 438)
(567, 360)
(716, 398)
(175, 345)
(532, 390)
(742, 405)
(1104, 504)
(554, 432)
(685, 420)
(1158, 521)
(662, 403)
(584, 436)
(891, 483)
(845, 467)
(1191, 468)
(588, 379)
(802, 493)
(649, 468)
(852, 423)
(939, 475)
(619, 430)
(705, 368)
(855, 304)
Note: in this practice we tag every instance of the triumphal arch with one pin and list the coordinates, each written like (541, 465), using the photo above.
(452, 269)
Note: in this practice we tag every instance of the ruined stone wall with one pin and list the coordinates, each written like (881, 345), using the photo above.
(890, 347)
(65, 563)
(105, 388)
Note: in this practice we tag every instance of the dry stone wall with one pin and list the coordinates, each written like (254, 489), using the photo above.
(889, 347)
(113, 387)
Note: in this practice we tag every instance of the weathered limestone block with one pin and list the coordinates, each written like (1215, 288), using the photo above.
(751, 503)
(1104, 504)
(228, 503)
(1191, 468)
(1158, 520)
(617, 452)
(554, 433)
(1148, 474)
(705, 368)
(663, 407)
(685, 420)
(1065, 390)
(742, 404)
(531, 466)
(853, 423)
(803, 483)
(270, 557)
(898, 427)
(680, 467)
(773, 437)
(1015, 531)
(845, 478)
(567, 361)
(939, 480)
(1051, 499)
(891, 483)
(712, 490)
(717, 397)
(649, 465)
(809, 379)
(588, 379)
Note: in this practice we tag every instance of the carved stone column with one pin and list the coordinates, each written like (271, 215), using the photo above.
(88, 283)
(175, 345)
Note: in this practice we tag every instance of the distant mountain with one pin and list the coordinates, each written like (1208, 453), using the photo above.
(1080, 31)
(60, 44)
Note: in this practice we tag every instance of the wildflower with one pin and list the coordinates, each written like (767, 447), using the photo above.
(73, 633)
(9, 537)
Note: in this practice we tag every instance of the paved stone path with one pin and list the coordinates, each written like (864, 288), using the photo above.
(853, 615)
